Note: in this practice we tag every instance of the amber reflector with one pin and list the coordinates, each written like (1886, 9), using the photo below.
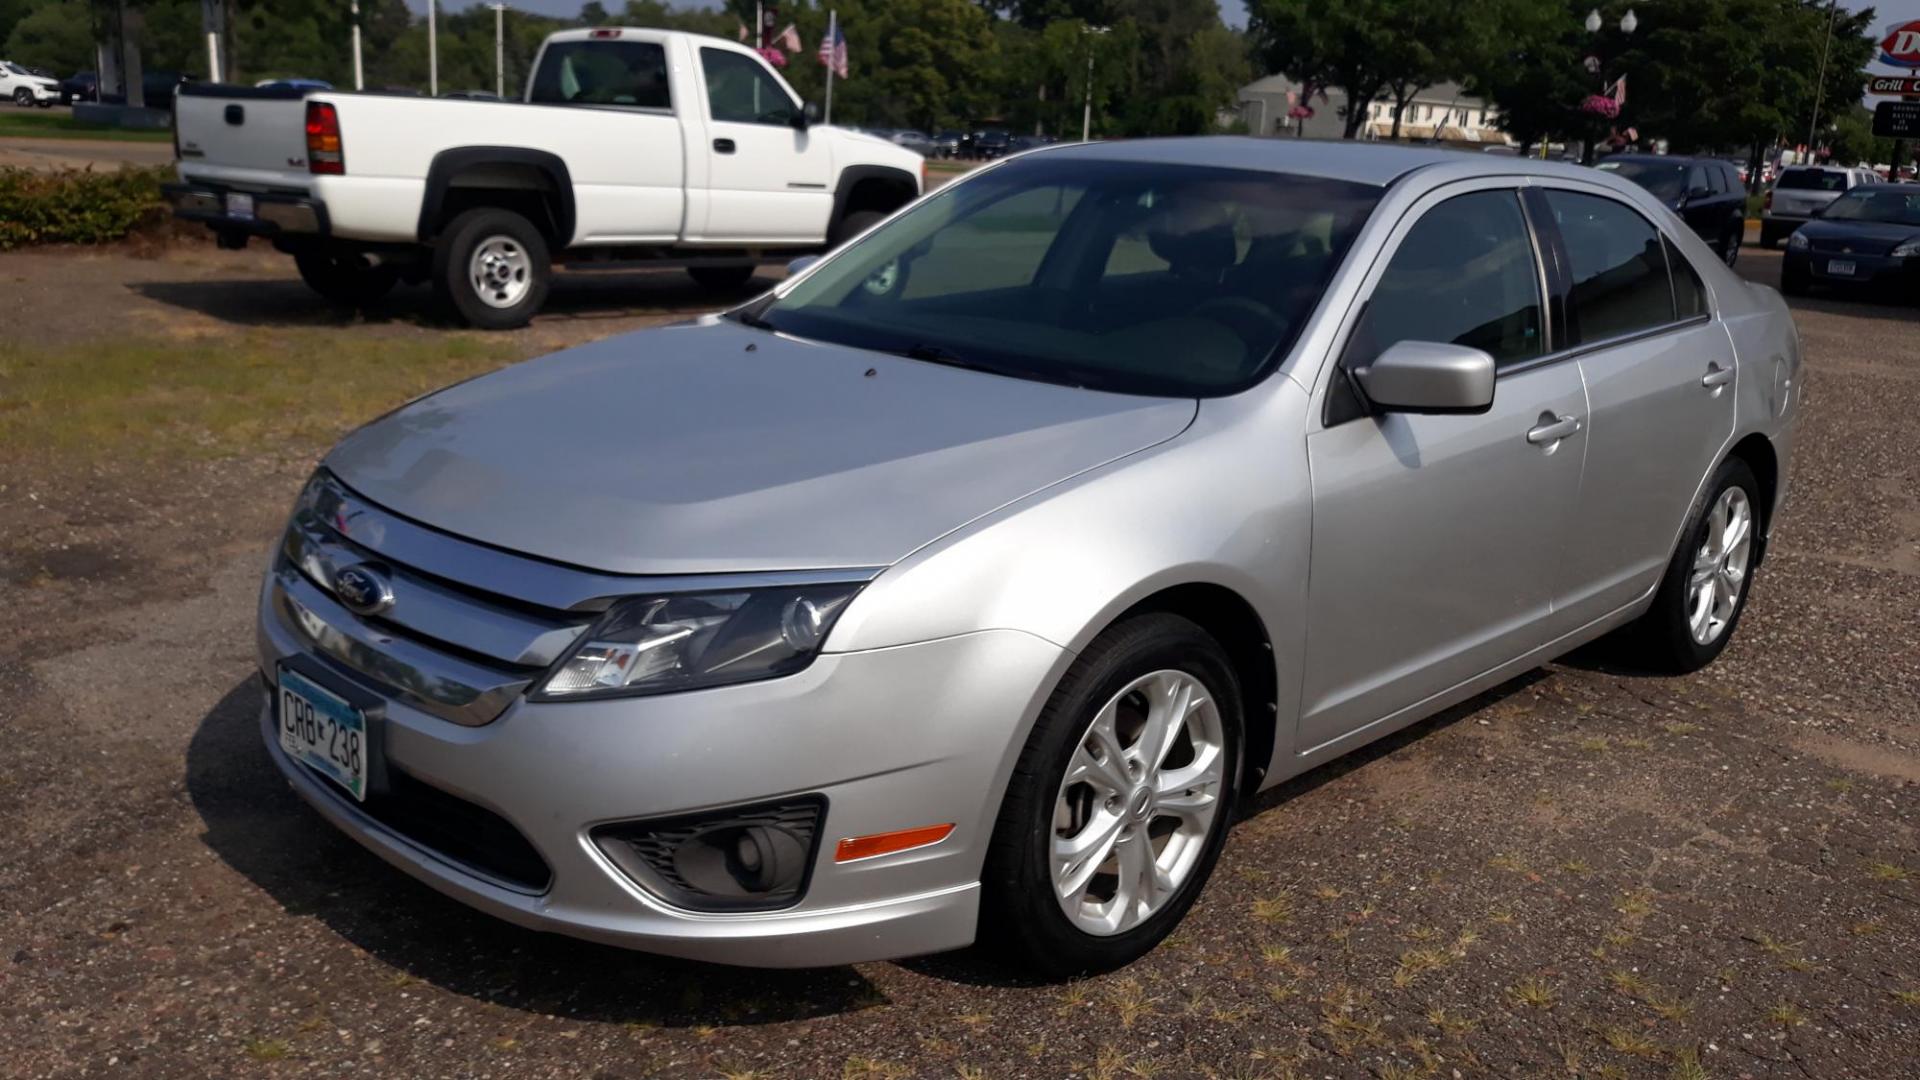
(886, 843)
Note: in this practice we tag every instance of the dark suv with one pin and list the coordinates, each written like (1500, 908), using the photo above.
(1705, 192)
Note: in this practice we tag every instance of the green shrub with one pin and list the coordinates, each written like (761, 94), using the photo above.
(77, 207)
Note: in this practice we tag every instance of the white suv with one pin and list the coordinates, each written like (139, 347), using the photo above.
(26, 89)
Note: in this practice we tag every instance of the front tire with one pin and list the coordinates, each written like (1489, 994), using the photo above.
(492, 267)
(1705, 588)
(23, 98)
(722, 278)
(853, 225)
(1794, 282)
(1730, 249)
(1118, 807)
(349, 279)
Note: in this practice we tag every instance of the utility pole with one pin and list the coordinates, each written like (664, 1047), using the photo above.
(1820, 88)
(433, 51)
(1086, 114)
(500, 50)
(359, 73)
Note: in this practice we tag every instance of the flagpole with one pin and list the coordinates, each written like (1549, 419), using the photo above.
(833, 33)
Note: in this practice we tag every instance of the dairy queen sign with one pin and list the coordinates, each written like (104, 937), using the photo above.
(1894, 70)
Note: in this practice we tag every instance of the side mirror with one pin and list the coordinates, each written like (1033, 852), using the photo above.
(1698, 193)
(1429, 377)
(804, 119)
(801, 263)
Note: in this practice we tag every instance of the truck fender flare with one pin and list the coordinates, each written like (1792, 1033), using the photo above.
(851, 176)
(449, 163)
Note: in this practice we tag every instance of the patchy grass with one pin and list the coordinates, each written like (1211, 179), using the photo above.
(219, 395)
(1533, 993)
(267, 1049)
(1886, 871)
(24, 125)
(1625, 1040)
(1274, 909)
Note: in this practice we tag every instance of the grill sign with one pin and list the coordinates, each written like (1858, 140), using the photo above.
(1901, 47)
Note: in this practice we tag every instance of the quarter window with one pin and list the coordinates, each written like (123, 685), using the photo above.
(740, 90)
(1689, 295)
(1465, 275)
(1618, 265)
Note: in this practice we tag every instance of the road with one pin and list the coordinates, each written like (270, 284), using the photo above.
(1585, 872)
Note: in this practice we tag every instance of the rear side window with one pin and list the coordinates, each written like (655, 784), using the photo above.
(1618, 266)
(1689, 295)
(631, 73)
(1464, 275)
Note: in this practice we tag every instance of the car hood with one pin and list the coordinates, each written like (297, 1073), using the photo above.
(1860, 237)
(712, 447)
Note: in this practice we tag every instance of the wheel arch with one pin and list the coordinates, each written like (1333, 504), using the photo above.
(514, 177)
(1761, 456)
(872, 187)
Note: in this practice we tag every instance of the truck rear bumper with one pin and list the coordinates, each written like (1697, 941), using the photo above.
(273, 214)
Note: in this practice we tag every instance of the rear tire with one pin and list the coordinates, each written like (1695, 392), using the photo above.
(1669, 636)
(1793, 282)
(349, 279)
(492, 268)
(853, 225)
(1730, 248)
(1114, 682)
(722, 278)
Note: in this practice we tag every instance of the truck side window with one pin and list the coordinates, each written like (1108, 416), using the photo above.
(632, 73)
(740, 90)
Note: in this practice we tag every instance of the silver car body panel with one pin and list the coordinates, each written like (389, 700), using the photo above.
(1011, 522)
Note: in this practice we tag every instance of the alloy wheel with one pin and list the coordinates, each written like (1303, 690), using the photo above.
(1720, 566)
(1138, 801)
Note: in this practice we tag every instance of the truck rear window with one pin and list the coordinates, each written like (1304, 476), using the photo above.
(1812, 180)
(632, 73)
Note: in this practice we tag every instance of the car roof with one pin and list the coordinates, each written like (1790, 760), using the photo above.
(1820, 168)
(1378, 164)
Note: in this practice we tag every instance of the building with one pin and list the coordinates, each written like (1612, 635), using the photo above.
(1442, 113)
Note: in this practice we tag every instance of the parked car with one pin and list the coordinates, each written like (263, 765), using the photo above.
(472, 95)
(801, 635)
(991, 143)
(1801, 191)
(946, 144)
(80, 86)
(293, 84)
(1866, 238)
(1705, 192)
(480, 197)
(915, 141)
(25, 89)
(158, 89)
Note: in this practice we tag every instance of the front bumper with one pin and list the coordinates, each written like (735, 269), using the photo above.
(274, 213)
(892, 738)
(1868, 270)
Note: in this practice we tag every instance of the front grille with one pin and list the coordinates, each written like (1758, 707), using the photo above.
(458, 830)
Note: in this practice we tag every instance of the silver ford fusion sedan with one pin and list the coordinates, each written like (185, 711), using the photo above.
(963, 585)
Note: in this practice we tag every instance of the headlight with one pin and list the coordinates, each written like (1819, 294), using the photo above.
(657, 644)
(1907, 249)
(1797, 242)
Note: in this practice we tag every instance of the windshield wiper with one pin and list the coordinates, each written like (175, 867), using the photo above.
(746, 316)
(940, 354)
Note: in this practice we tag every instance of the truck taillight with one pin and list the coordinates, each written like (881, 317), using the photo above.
(603, 34)
(324, 152)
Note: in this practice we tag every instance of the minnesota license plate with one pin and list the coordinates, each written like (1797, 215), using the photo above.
(1840, 267)
(240, 206)
(320, 730)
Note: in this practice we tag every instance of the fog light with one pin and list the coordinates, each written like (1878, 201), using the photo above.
(745, 859)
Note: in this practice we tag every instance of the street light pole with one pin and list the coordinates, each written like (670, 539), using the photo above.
(1820, 88)
(500, 50)
(433, 51)
(1086, 115)
(359, 73)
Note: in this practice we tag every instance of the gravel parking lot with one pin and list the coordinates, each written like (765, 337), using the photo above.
(1584, 873)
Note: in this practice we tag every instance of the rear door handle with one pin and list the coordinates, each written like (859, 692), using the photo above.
(1716, 376)
(1552, 430)
(723, 146)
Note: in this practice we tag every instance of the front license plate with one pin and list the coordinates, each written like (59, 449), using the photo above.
(1840, 268)
(240, 206)
(320, 730)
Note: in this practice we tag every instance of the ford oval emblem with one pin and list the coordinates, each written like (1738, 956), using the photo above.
(363, 589)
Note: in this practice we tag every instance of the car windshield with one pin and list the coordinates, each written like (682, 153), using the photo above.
(1888, 206)
(1666, 179)
(1812, 180)
(1137, 277)
(15, 68)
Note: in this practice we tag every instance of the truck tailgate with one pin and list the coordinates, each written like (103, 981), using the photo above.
(238, 129)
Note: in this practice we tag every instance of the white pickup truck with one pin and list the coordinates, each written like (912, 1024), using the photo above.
(629, 146)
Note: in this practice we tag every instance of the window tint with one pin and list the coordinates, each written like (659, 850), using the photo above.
(1465, 274)
(998, 248)
(740, 90)
(603, 73)
(1689, 295)
(1619, 271)
(1812, 180)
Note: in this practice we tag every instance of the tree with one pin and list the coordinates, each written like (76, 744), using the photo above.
(56, 37)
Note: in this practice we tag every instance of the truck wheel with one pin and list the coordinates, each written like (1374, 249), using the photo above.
(349, 278)
(853, 225)
(722, 278)
(492, 267)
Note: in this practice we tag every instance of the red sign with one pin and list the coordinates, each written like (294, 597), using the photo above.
(1901, 47)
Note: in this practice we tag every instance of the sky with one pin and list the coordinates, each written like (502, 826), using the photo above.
(1232, 10)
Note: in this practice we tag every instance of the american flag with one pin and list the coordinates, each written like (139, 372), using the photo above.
(833, 48)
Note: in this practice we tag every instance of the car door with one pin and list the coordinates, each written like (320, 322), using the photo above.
(1659, 372)
(1437, 538)
(768, 181)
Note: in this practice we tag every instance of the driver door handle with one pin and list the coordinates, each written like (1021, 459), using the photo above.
(1552, 431)
(723, 146)
(1716, 376)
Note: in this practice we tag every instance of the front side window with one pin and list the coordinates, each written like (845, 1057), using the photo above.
(739, 90)
(1618, 267)
(1464, 275)
(630, 73)
(1137, 277)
